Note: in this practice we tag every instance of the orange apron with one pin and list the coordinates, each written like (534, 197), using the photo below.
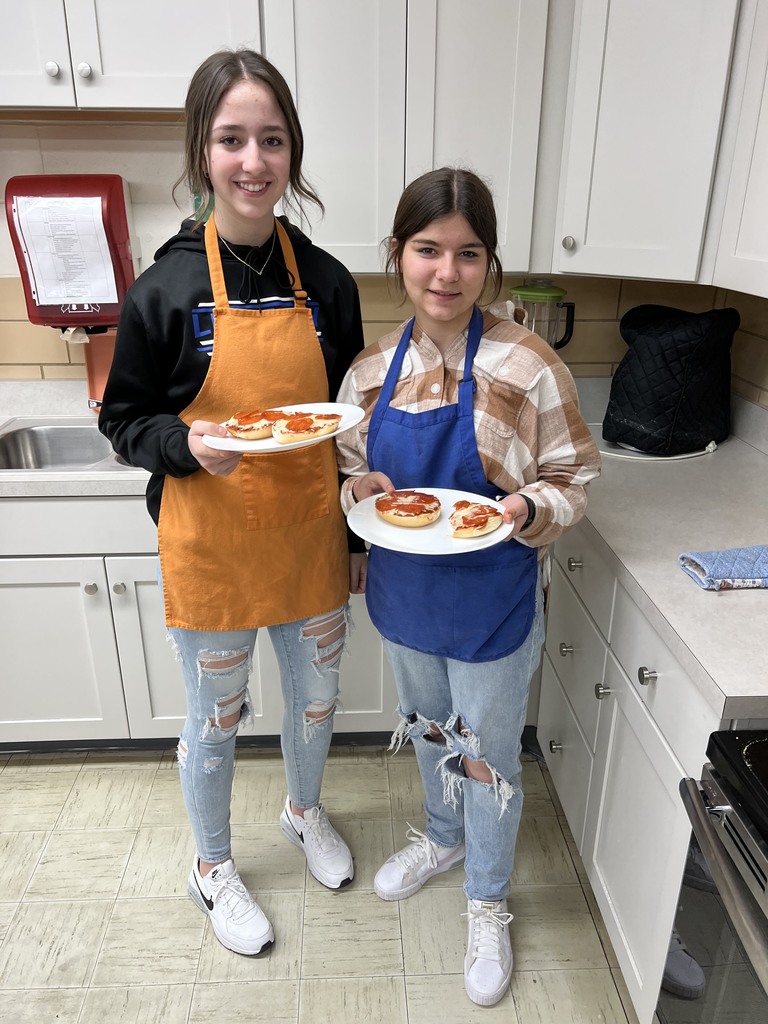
(266, 544)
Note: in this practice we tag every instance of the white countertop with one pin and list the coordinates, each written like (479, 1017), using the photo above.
(648, 513)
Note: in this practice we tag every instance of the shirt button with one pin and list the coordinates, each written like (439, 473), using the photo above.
(435, 389)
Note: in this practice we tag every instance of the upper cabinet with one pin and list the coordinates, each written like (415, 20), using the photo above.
(742, 251)
(99, 54)
(645, 99)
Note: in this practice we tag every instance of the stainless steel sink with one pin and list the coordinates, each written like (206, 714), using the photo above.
(55, 446)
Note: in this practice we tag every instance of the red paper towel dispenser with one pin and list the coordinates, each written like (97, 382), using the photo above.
(72, 239)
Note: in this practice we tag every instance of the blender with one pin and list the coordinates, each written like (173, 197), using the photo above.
(539, 306)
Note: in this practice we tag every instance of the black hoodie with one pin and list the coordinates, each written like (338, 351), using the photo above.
(165, 338)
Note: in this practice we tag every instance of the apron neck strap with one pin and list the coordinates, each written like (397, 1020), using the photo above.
(217, 271)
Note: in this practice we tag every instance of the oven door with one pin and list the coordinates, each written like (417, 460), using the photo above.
(722, 925)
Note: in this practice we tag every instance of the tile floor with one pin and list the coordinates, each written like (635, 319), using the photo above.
(95, 923)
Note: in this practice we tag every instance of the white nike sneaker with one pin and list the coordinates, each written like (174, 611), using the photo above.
(406, 871)
(237, 919)
(327, 854)
(488, 963)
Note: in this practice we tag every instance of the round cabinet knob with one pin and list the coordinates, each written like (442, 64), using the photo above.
(602, 691)
(84, 70)
(569, 242)
(554, 747)
(118, 588)
(646, 676)
(52, 69)
(91, 588)
(565, 650)
(574, 564)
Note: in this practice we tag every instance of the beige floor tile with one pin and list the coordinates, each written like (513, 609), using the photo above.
(405, 789)
(34, 801)
(107, 798)
(253, 1002)
(353, 754)
(7, 910)
(578, 863)
(552, 791)
(350, 935)
(82, 865)
(258, 794)
(169, 760)
(597, 918)
(60, 1005)
(166, 803)
(55, 761)
(19, 854)
(352, 791)
(434, 912)
(373, 1000)
(442, 998)
(53, 945)
(567, 997)
(253, 757)
(281, 962)
(537, 802)
(159, 863)
(142, 1004)
(150, 942)
(446, 879)
(267, 862)
(541, 856)
(553, 929)
(370, 843)
(102, 759)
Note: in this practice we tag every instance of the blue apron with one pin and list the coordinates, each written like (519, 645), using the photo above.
(476, 606)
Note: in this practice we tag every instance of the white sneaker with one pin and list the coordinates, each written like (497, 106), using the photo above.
(327, 854)
(237, 919)
(683, 976)
(407, 870)
(488, 963)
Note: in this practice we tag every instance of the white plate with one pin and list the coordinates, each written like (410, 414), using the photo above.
(350, 415)
(434, 539)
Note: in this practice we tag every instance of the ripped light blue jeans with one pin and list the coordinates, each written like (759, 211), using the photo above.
(451, 710)
(216, 668)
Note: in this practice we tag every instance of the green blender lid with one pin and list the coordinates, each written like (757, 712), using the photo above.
(543, 291)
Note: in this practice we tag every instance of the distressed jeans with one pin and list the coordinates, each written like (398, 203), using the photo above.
(216, 667)
(451, 709)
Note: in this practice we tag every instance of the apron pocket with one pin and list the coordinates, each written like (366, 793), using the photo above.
(285, 489)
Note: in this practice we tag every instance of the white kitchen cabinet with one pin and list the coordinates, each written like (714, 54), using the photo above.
(99, 54)
(742, 253)
(61, 674)
(645, 100)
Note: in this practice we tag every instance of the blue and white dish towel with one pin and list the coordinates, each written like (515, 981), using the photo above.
(732, 569)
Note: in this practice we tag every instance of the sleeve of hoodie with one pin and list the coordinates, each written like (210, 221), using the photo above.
(136, 409)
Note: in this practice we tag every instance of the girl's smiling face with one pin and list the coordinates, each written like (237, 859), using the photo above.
(443, 268)
(248, 160)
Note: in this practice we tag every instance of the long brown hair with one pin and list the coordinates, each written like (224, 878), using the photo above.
(438, 194)
(215, 76)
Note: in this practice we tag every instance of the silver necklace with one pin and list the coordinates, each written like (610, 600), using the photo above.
(245, 262)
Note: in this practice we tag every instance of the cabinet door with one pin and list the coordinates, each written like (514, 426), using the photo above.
(345, 63)
(647, 88)
(35, 70)
(636, 837)
(142, 55)
(61, 677)
(474, 99)
(742, 254)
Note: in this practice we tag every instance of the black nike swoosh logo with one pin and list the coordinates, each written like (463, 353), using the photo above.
(206, 901)
(299, 834)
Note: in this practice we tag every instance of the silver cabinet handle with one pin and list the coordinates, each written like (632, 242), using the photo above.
(602, 691)
(554, 747)
(569, 242)
(91, 588)
(645, 676)
(52, 69)
(119, 588)
(574, 564)
(84, 70)
(565, 650)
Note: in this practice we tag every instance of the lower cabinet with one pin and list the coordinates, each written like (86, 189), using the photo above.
(620, 725)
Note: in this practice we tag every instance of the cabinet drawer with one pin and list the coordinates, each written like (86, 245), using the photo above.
(566, 752)
(592, 579)
(678, 708)
(577, 651)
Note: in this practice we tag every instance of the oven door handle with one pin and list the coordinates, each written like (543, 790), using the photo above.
(740, 907)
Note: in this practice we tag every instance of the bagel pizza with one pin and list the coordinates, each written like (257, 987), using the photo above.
(472, 519)
(305, 426)
(254, 425)
(408, 508)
